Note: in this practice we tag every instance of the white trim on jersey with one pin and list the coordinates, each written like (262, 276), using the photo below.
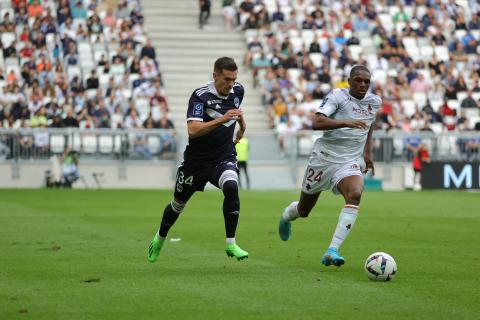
(201, 91)
(194, 119)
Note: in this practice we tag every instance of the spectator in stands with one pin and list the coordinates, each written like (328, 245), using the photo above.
(140, 145)
(421, 158)
(166, 138)
(360, 22)
(148, 50)
(35, 9)
(109, 19)
(278, 15)
(468, 102)
(417, 122)
(420, 84)
(70, 120)
(92, 81)
(204, 12)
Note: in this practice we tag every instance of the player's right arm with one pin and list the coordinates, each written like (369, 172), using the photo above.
(322, 120)
(198, 128)
(195, 125)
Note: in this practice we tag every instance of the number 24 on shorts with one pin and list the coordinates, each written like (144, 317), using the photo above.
(314, 176)
(181, 179)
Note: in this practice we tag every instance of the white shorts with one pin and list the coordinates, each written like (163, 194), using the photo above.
(322, 175)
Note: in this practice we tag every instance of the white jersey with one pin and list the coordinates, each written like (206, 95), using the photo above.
(345, 144)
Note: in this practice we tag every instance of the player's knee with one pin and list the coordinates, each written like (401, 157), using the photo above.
(228, 182)
(353, 196)
(230, 189)
(231, 204)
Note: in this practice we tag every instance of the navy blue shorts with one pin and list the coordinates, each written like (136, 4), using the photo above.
(191, 178)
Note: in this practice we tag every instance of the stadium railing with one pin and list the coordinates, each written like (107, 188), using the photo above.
(394, 146)
(157, 144)
(99, 144)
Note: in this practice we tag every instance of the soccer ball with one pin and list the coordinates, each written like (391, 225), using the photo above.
(380, 266)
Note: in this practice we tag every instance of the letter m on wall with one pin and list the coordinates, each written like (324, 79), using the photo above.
(450, 176)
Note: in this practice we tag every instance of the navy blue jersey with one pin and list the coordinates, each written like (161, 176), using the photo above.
(206, 104)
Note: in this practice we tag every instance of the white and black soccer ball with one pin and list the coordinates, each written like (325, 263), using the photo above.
(380, 266)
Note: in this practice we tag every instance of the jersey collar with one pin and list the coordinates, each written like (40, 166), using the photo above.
(213, 90)
(355, 99)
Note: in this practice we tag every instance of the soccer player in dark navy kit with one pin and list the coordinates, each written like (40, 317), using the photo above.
(213, 111)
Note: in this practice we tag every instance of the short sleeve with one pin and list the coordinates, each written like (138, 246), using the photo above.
(329, 105)
(196, 108)
(239, 91)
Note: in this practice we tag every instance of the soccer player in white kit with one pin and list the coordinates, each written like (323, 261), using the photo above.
(339, 158)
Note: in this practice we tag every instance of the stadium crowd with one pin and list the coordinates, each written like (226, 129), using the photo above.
(74, 63)
(422, 54)
(83, 64)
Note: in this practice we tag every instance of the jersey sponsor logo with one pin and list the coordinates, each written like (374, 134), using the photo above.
(361, 111)
(198, 109)
(210, 102)
(236, 101)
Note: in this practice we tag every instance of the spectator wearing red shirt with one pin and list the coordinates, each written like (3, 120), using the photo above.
(35, 8)
(448, 114)
(27, 51)
(422, 156)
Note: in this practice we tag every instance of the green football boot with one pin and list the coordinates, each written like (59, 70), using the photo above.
(155, 247)
(233, 250)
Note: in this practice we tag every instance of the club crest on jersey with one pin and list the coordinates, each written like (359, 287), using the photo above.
(236, 101)
(369, 107)
(198, 109)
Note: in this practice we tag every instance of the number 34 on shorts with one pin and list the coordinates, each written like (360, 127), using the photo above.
(182, 180)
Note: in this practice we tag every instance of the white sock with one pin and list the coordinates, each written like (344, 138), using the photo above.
(347, 218)
(291, 213)
(230, 240)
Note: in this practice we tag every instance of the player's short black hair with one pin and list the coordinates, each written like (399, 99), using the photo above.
(358, 68)
(225, 63)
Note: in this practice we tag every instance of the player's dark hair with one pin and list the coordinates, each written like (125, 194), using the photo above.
(225, 63)
(358, 68)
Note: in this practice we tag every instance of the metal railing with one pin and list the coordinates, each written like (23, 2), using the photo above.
(148, 144)
(99, 144)
(399, 146)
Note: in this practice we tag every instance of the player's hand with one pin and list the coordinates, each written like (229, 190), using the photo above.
(232, 114)
(239, 135)
(357, 124)
(369, 165)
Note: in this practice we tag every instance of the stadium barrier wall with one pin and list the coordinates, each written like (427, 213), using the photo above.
(451, 175)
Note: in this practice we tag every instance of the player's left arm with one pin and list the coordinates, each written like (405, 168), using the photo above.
(241, 118)
(367, 152)
(241, 130)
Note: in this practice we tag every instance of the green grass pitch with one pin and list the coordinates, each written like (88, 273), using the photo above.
(81, 254)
